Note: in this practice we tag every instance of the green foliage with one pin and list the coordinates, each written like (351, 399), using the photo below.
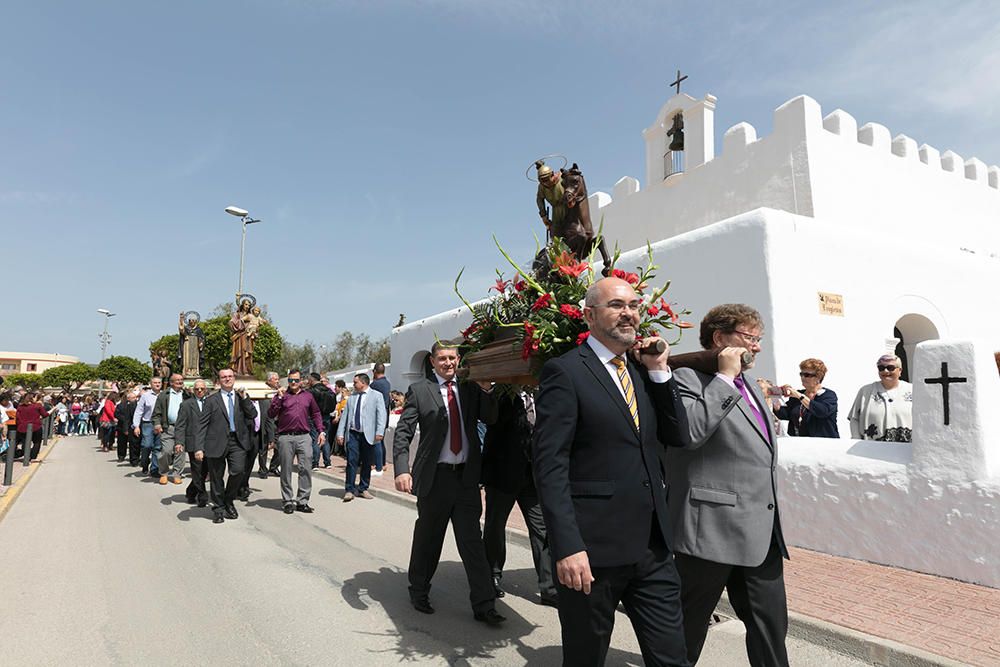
(124, 370)
(167, 344)
(217, 344)
(29, 380)
(267, 349)
(69, 377)
(302, 357)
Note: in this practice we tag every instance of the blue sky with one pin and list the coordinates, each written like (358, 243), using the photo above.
(382, 143)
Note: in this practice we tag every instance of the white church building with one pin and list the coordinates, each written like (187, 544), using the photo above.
(843, 237)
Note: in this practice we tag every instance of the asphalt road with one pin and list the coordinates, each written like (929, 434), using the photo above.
(107, 567)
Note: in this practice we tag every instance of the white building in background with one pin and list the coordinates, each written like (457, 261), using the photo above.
(842, 237)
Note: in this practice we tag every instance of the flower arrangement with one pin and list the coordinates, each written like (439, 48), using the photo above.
(542, 315)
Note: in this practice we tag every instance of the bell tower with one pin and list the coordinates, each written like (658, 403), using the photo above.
(682, 137)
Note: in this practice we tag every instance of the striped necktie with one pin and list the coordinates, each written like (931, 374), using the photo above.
(626, 382)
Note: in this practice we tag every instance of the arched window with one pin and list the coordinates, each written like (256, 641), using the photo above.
(911, 329)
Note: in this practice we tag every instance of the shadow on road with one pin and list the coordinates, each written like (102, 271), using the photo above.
(267, 503)
(333, 493)
(422, 636)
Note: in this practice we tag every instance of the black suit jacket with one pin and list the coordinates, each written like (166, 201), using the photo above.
(268, 425)
(507, 447)
(600, 479)
(162, 404)
(213, 425)
(425, 407)
(186, 427)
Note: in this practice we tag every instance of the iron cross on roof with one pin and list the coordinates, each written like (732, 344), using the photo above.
(677, 83)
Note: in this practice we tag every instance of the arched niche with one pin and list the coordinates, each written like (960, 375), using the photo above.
(910, 329)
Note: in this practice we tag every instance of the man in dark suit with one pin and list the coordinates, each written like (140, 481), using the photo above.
(269, 432)
(508, 479)
(261, 435)
(380, 383)
(723, 494)
(223, 439)
(186, 430)
(602, 422)
(445, 478)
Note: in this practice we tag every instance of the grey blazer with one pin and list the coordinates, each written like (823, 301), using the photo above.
(722, 497)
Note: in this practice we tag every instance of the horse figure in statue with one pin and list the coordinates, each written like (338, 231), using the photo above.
(575, 229)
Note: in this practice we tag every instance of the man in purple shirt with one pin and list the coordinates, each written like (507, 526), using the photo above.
(295, 411)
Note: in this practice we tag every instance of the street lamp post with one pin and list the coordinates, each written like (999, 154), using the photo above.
(105, 339)
(247, 220)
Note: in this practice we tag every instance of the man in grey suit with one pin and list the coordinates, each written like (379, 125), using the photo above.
(723, 499)
(445, 478)
(363, 427)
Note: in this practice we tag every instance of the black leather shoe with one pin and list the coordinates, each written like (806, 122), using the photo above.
(489, 617)
(304, 508)
(231, 513)
(218, 518)
(289, 509)
(496, 587)
(202, 503)
(423, 605)
(243, 496)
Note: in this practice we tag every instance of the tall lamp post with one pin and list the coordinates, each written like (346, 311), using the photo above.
(105, 339)
(247, 220)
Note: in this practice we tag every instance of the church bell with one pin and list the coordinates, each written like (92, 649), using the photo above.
(676, 134)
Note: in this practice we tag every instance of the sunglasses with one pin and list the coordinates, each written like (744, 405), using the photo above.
(806, 375)
(890, 368)
(291, 380)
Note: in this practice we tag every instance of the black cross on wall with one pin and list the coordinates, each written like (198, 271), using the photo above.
(944, 381)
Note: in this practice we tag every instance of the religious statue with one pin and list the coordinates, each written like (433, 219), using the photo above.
(566, 192)
(253, 322)
(160, 363)
(190, 348)
(241, 358)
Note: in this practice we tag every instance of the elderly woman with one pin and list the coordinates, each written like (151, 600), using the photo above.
(883, 410)
(30, 412)
(812, 410)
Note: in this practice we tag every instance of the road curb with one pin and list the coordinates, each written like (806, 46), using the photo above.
(853, 643)
(15, 489)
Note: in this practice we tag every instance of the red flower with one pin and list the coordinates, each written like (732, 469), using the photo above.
(572, 312)
(541, 302)
(582, 337)
(653, 311)
(472, 328)
(630, 278)
(519, 284)
(668, 311)
(530, 344)
(501, 285)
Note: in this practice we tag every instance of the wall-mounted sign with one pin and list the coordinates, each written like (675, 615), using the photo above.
(831, 304)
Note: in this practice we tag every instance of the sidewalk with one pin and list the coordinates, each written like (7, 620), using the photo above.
(8, 494)
(940, 616)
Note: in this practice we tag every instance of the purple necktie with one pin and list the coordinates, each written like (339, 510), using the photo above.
(741, 385)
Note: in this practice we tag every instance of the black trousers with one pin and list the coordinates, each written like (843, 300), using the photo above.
(650, 591)
(36, 442)
(251, 456)
(128, 440)
(224, 490)
(199, 475)
(498, 507)
(757, 595)
(448, 500)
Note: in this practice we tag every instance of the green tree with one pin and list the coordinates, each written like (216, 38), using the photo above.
(69, 377)
(267, 350)
(380, 351)
(167, 344)
(218, 345)
(302, 356)
(124, 370)
(28, 380)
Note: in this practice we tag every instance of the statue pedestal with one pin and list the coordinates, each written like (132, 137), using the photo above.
(255, 388)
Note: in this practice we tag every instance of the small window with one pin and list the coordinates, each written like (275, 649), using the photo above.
(32, 368)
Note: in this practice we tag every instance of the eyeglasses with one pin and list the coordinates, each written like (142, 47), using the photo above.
(804, 374)
(750, 338)
(889, 368)
(291, 380)
(618, 306)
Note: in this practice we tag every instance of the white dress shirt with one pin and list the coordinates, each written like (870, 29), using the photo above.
(606, 355)
(447, 456)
